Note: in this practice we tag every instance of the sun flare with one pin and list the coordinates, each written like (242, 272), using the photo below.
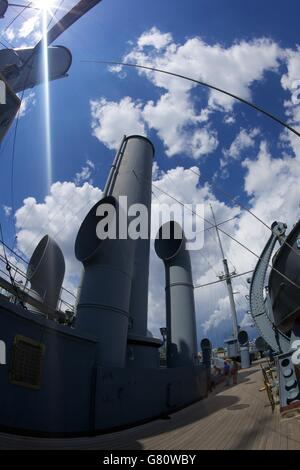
(45, 4)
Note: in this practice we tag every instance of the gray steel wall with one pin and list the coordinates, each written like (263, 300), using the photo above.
(75, 394)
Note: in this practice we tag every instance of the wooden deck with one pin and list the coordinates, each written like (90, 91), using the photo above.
(236, 417)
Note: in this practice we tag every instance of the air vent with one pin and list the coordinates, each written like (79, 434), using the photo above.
(26, 362)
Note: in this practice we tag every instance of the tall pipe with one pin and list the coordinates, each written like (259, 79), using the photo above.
(180, 304)
(260, 344)
(3, 7)
(9, 109)
(46, 270)
(206, 352)
(109, 281)
(243, 339)
(133, 177)
(22, 68)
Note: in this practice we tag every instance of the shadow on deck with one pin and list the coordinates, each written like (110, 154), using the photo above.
(234, 417)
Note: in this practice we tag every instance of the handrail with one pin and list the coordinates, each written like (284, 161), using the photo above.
(25, 290)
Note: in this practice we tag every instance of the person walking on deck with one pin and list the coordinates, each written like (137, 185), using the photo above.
(234, 372)
(226, 372)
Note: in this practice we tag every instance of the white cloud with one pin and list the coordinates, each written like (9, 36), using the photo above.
(291, 83)
(63, 210)
(154, 38)
(293, 69)
(170, 116)
(247, 321)
(85, 173)
(9, 34)
(273, 185)
(220, 313)
(111, 120)
(273, 190)
(175, 115)
(7, 210)
(183, 184)
(29, 26)
(28, 102)
(59, 216)
(234, 68)
(244, 140)
(229, 119)
(269, 182)
(203, 142)
(27, 32)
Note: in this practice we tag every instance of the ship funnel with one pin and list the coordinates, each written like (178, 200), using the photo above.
(206, 352)
(3, 7)
(25, 66)
(260, 344)
(243, 339)
(180, 305)
(114, 285)
(46, 270)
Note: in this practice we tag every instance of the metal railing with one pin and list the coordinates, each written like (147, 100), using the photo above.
(16, 286)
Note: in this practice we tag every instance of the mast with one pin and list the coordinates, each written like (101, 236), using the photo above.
(227, 278)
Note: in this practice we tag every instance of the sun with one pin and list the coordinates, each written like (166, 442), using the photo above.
(45, 4)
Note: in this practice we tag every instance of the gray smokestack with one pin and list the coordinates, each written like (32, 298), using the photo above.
(27, 66)
(244, 349)
(261, 345)
(3, 7)
(115, 280)
(206, 352)
(180, 305)
(46, 270)
(133, 178)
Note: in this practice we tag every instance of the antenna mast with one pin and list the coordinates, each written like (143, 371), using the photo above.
(227, 278)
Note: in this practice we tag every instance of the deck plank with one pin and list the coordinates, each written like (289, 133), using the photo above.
(235, 417)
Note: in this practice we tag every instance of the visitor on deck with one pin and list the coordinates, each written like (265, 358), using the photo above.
(234, 372)
(226, 372)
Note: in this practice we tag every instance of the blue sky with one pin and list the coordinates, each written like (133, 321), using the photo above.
(250, 46)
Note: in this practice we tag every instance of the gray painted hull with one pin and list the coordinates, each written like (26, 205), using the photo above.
(75, 394)
(285, 297)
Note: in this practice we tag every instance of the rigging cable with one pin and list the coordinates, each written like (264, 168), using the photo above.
(231, 237)
(225, 233)
(17, 269)
(242, 206)
(53, 15)
(201, 254)
(17, 16)
(8, 269)
(213, 87)
(64, 206)
(205, 257)
(4, 45)
(221, 280)
(199, 82)
(13, 158)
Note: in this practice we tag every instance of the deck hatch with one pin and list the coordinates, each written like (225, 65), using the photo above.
(26, 362)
